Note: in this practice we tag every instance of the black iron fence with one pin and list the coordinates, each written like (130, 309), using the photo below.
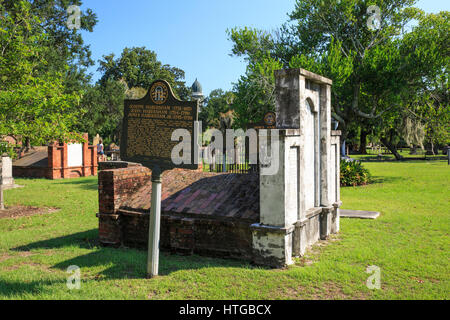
(231, 162)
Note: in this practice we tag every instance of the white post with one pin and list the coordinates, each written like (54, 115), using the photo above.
(154, 225)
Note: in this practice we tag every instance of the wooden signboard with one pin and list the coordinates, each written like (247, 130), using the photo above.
(148, 125)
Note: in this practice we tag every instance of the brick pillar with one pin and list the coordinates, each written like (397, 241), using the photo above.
(54, 162)
(65, 162)
(51, 161)
(94, 160)
(109, 221)
(86, 170)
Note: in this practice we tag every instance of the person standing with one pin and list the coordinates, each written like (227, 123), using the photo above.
(101, 151)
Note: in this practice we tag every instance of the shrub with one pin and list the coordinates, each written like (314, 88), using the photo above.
(354, 174)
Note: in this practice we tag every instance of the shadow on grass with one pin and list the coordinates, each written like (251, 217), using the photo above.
(379, 180)
(385, 179)
(124, 263)
(83, 183)
(84, 240)
(404, 160)
(18, 288)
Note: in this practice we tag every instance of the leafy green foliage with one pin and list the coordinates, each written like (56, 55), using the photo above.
(354, 174)
(102, 105)
(8, 149)
(127, 77)
(217, 102)
(65, 51)
(255, 91)
(139, 67)
(33, 103)
(379, 76)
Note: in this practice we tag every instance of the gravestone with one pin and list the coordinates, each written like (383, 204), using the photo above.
(6, 178)
(300, 203)
(6, 172)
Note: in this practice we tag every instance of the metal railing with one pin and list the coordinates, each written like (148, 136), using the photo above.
(233, 162)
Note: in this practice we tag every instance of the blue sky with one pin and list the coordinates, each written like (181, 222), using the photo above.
(190, 35)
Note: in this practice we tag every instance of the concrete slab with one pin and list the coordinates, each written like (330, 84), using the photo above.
(359, 214)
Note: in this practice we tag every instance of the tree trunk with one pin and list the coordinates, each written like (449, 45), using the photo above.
(363, 142)
(27, 144)
(391, 148)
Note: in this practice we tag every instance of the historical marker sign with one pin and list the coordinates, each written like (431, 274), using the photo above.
(149, 123)
(148, 126)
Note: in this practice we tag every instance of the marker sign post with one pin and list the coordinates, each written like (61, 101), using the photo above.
(148, 125)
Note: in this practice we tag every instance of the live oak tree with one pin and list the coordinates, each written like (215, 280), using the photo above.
(67, 53)
(377, 72)
(139, 67)
(428, 100)
(34, 103)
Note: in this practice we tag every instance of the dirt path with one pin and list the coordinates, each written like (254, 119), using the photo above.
(15, 212)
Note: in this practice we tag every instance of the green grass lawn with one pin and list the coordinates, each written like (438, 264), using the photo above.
(409, 242)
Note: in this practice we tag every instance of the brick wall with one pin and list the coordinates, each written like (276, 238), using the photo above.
(116, 186)
(180, 233)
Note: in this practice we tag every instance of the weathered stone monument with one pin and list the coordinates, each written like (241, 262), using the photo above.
(300, 204)
(264, 218)
(6, 175)
(6, 178)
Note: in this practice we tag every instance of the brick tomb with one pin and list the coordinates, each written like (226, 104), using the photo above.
(201, 212)
(58, 161)
(267, 217)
